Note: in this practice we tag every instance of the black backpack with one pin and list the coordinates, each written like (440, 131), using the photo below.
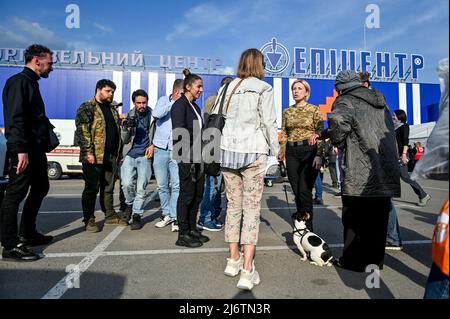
(216, 121)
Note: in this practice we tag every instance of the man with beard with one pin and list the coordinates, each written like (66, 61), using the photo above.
(98, 135)
(27, 133)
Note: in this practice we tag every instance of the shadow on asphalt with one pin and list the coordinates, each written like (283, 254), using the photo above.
(405, 270)
(429, 218)
(357, 281)
(243, 294)
(34, 284)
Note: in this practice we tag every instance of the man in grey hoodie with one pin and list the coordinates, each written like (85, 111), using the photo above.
(361, 124)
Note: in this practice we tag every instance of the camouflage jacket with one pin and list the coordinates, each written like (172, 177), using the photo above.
(91, 130)
(300, 123)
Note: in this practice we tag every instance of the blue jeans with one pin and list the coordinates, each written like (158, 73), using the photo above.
(134, 175)
(166, 174)
(393, 231)
(212, 199)
(437, 284)
(318, 186)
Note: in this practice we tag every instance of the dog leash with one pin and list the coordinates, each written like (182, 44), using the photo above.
(296, 230)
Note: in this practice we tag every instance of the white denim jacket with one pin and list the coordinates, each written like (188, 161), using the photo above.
(251, 121)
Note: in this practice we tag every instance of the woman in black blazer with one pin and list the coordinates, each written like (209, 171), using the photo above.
(187, 126)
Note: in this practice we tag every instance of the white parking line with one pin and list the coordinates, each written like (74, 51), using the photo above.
(331, 207)
(263, 208)
(197, 250)
(61, 287)
(438, 189)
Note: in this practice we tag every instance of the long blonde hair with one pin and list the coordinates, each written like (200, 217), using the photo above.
(251, 64)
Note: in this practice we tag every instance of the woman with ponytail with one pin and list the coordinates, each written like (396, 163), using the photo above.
(187, 126)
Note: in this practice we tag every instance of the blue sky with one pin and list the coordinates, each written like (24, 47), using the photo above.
(223, 29)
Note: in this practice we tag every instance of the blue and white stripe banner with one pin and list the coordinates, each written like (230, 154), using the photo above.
(65, 90)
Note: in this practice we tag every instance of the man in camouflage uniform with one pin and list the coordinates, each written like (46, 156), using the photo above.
(98, 135)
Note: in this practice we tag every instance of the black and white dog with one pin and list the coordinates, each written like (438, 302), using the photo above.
(310, 244)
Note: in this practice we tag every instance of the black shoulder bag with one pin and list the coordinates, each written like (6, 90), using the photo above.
(53, 141)
(216, 121)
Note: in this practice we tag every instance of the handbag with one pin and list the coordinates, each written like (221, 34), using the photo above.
(216, 121)
(53, 141)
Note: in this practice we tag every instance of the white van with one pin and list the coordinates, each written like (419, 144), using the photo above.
(3, 178)
(65, 158)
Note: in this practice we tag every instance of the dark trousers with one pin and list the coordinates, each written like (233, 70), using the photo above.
(302, 177)
(99, 177)
(34, 179)
(333, 173)
(365, 221)
(404, 175)
(192, 185)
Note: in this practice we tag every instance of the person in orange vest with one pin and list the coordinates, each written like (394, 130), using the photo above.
(437, 284)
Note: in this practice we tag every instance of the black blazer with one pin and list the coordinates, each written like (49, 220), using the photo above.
(26, 125)
(184, 117)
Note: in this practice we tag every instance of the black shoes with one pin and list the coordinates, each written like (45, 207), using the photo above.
(36, 240)
(201, 238)
(19, 253)
(338, 264)
(136, 224)
(188, 241)
(127, 212)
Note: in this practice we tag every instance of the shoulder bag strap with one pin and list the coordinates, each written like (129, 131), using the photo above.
(222, 100)
(232, 92)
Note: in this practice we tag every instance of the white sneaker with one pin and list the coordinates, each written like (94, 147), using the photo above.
(248, 279)
(424, 201)
(166, 220)
(175, 227)
(234, 266)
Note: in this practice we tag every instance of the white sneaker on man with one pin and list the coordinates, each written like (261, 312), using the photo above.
(166, 220)
(175, 227)
(248, 279)
(424, 201)
(234, 266)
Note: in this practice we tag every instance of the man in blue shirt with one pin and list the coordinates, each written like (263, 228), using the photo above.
(166, 169)
(136, 169)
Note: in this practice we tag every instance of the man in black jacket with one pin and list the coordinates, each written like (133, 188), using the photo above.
(27, 134)
(360, 123)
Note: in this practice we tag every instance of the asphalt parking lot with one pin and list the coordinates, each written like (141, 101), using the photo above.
(146, 264)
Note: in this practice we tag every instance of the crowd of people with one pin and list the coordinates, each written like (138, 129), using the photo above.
(365, 148)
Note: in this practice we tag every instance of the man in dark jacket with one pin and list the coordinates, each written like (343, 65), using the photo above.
(360, 123)
(27, 133)
(136, 169)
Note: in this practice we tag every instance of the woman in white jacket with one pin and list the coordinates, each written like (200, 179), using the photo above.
(249, 135)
